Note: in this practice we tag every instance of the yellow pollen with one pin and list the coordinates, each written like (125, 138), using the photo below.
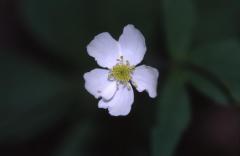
(122, 72)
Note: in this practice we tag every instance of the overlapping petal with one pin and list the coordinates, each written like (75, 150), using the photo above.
(105, 49)
(132, 45)
(121, 102)
(97, 83)
(118, 99)
(146, 78)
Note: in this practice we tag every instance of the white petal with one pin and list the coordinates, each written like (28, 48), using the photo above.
(146, 78)
(97, 83)
(102, 104)
(132, 44)
(105, 49)
(121, 102)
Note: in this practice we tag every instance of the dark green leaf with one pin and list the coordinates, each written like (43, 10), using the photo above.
(222, 60)
(209, 88)
(179, 24)
(173, 115)
(32, 98)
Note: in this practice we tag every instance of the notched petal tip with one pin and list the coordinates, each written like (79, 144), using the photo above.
(146, 78)
(102, 104)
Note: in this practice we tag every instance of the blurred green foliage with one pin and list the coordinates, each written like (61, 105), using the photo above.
(32, 98)
(209, 86)
(221, 59)
(216, 20)
(76, 141)
(68, 26)
(180, 18)
(203, 50)
(173, 115)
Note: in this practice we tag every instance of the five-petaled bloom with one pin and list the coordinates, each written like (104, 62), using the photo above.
(113, 84)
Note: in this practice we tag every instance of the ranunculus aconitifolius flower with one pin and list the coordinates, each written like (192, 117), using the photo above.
(113, 84)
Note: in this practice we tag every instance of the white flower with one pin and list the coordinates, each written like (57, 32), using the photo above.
(119, 58)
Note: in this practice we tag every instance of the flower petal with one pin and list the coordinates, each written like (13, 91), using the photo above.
(97, 83)
(121, 102)
(146, 78)
(105, 49)
(132, 45)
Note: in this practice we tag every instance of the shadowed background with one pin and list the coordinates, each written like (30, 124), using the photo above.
(45, 109)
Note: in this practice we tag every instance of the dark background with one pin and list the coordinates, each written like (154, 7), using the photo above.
(45, 109)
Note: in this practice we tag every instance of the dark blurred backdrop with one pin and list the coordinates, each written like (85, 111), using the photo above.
(44, 107)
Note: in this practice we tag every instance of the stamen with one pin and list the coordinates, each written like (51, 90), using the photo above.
(121, 72)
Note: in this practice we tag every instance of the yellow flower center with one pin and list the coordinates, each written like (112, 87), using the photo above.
(122, 72)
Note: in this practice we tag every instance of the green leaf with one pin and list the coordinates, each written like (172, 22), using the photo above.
(222, 60)
(209, 88)
(179, 23)
(32, 98)
(173, 115)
